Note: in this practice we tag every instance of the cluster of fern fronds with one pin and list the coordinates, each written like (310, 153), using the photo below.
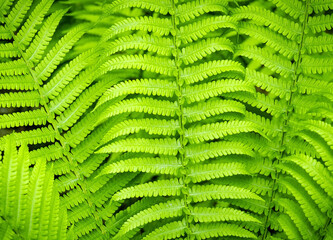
(168, 119)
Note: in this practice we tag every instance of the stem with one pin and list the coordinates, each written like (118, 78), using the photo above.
(180, 101)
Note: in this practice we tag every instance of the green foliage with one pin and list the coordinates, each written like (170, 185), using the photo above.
(170, 119)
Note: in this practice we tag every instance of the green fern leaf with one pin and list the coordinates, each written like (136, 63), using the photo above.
(208, 230)
(192, 32)
(208, 90)
(162, 46)
(200, 193)
(155, 87)
(171, 187)
(166, 146)
(172, 208)
(204, 172)
(162, 165)
(320, 23)
(159, 26)
(205, 214)
(218, 130)
(198, 73)
(149, 63)
(316, 64)
(202, 152)
(171, 230)
(28, 118)
(163, 7)
(151, 126)
(264, 17)
(147, 105)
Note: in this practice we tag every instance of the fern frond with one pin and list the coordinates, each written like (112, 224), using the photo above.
(38, 46)
(321, 5)
(161, 165)
(159, 26)
(203, 48)
(294, 8)
(28, 30)
(207, 214)
(192, 32)
(190, 119)
(155, 87)
(316, 170)
(320, 23)
(309, 185)
(74, 89)
(163, 7)
(321, 147)
(316, 65)
(36, 136)
(200, 72)
(49, 153)
(309, 207)
(147, 105)
(288, 226)
(171, 230)
(318, 44)
(204, 172)
(9, 50)
(151, 126)
(208, 230)
(170, 187)
(284, 46)
(82, 103)
(273, 62)
(5, 6)
(200, 193)
(264, 17)
(311, 85)
(16, 67)
(18, 83)
(29, 202)
(17, 14)
(146, 62)
(83, 128)
(202, 152)
(258, 185)
(162, 46)
(63, 77)
(28, 118)
(190, 10)
(167, 146)
(261, 101)
(324, 130)
(212, 89)
(115, 222)
(296, 214)
(20, 99)
(268, 83)
(219, 130)
(57, 53)
(172, 208)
